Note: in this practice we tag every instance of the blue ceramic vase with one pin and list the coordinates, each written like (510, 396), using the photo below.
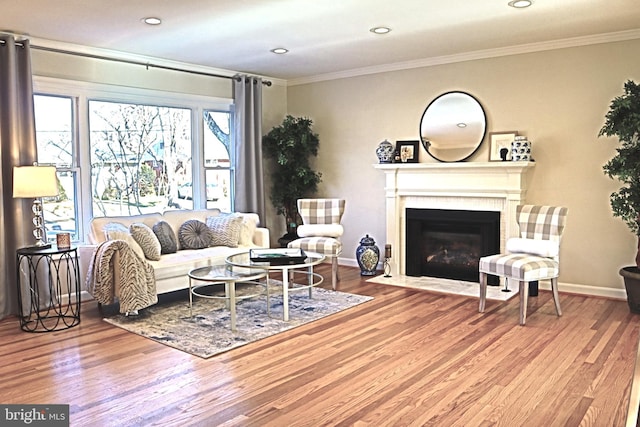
(368, 255)
(385, 152)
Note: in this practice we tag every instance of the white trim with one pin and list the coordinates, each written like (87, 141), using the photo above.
(104, 92)
(88, 50)
(594, 291)
(471, 56)
(571, 288)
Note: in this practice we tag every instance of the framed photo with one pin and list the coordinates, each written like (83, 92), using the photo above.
(500, 148)
(408, 151)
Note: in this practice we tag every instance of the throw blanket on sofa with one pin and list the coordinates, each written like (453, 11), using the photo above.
(117, 273)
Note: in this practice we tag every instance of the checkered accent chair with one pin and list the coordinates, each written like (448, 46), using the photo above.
(321, 230)
(531, 257)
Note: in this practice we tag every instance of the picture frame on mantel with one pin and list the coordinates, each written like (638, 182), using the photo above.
(499, 141)
(408, 151)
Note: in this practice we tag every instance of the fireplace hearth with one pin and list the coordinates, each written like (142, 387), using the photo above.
(448, 243)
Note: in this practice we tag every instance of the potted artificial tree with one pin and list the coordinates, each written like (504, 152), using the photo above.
(623, 121)
(290, 146)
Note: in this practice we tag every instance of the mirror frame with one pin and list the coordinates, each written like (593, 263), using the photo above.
(474, 145)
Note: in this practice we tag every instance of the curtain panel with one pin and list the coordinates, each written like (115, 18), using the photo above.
(249, 180)
(18, 147)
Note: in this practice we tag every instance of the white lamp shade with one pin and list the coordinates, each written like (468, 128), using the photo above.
(34, 181)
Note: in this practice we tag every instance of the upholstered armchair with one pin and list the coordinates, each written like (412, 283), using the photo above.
(321, 230)
(531, 257)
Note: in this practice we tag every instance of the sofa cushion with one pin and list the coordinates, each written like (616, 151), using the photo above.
(194, 234)
(177, 265)
(176, 218)
(96, 235)
(147, 240)
(225, 229)
(166, 237)
(118, 231)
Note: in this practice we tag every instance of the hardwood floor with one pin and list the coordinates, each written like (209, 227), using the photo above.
(408, 357)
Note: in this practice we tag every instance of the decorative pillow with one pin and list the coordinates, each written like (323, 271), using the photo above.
(166, 237)
(117, 231)
(225, 230)
(194, 234)
(543, 248)
(247, 229)
(114, 226)
(146, 239)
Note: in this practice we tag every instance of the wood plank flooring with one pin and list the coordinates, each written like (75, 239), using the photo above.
(407, 358)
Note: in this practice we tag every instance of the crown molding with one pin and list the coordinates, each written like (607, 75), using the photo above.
(471, 56)
(124, 56)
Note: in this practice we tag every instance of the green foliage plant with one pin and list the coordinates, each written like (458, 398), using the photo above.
(290, 147)
(623, 121)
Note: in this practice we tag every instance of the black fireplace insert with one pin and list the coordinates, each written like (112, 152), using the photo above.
(448, 243)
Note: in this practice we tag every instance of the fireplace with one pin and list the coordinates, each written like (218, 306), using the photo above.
(497, 187)
(448, 243)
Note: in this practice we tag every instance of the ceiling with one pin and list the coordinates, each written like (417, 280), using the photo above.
(323, 37)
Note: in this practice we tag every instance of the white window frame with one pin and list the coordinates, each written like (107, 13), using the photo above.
(82, 92)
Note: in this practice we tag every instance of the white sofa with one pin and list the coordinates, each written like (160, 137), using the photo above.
(172, 268)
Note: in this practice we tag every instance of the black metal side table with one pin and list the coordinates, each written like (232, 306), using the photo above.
(49, 300)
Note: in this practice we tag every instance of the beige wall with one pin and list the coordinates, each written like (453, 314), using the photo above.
(556, 98)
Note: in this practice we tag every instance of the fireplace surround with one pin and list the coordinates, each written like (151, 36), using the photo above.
(475, 186)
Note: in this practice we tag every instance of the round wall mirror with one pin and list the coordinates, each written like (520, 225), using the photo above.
(452, 127)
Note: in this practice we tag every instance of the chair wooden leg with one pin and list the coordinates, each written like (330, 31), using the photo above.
(524, 297)
(334, 272)
(556, 298)
(483, 291)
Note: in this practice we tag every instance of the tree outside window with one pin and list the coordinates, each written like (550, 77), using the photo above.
(140, 154)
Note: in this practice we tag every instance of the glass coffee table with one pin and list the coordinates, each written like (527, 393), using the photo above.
(229, 275)
(243, 260)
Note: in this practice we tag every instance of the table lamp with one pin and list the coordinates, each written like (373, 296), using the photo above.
(35, 182)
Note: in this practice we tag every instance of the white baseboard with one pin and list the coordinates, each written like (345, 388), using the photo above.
(598, 291)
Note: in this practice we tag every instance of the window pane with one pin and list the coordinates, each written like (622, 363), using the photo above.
(139, 156)
(217, 146)
(54, 136)
(54, 117)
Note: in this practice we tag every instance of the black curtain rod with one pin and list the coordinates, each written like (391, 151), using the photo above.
(127, 61)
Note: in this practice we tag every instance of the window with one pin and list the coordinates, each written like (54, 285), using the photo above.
(217, 159)
(125, 151)
(140, 155)
(55, 140)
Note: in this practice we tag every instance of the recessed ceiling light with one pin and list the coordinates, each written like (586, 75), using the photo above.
(520, 4)
(152, 20)
(462, 125)
(380, 30)
(280, 50)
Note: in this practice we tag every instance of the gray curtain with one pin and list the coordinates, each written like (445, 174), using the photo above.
(18, 147)
(249, 181)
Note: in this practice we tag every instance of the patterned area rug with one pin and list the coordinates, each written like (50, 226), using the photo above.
(208, 331)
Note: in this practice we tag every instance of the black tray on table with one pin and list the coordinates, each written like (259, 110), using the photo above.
(282, 256)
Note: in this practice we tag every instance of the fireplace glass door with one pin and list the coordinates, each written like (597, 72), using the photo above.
(449, 243)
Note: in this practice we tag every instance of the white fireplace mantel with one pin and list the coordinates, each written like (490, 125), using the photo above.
(483, 186)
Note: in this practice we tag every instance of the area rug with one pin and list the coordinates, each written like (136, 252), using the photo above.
(447, 286)
(208, 331)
